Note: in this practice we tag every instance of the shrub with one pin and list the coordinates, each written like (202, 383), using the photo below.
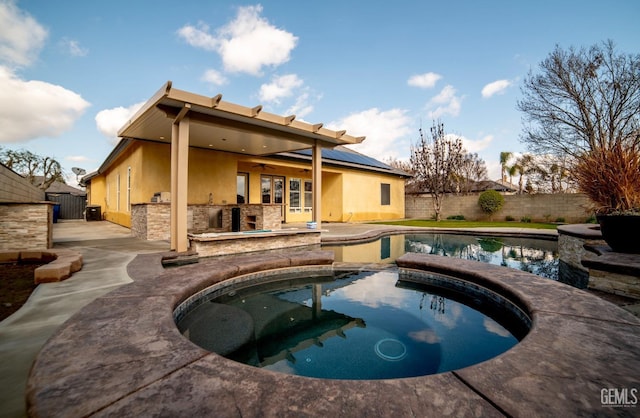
(610, 177)
(455, 218)
(509, 218)
(525, 219)
(560, 220)
(490, 202)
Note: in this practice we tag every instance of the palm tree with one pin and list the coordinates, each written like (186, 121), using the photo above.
(505, 156)
(513, 170)
(524, 165)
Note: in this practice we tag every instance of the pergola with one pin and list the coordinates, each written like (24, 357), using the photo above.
(185, 119)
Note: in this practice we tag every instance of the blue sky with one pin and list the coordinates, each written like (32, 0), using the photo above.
(73, 71)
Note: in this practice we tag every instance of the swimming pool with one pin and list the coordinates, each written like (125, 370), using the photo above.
(356, 324)
(538, 256)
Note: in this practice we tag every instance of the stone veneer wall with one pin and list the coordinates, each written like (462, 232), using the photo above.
(152, 221)
(25, 226)
(586, 261)
(539, 207)
(254, 243)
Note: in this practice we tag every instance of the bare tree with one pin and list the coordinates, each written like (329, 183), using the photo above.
(582, 100)
(435, 160)
(399, 164)
(31, 166)
(472, 169)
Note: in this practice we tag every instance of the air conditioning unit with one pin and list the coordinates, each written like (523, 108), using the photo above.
(161, 197)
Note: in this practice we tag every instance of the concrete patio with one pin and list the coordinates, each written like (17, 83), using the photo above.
(113, 258)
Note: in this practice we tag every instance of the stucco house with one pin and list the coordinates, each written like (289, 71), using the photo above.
(185, 161)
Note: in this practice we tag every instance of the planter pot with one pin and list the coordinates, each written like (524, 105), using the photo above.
(621, 232)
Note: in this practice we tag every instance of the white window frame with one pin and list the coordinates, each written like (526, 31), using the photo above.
(295, 209)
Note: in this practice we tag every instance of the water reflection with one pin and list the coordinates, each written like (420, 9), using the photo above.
(535, 256)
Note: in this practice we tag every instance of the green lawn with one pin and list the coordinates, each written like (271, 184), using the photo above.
(469, 224)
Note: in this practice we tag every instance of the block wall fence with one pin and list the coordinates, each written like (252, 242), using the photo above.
(573, 207)
(15, 188)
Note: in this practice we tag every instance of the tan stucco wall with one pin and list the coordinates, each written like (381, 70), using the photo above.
(361, 196)
(332, 197)
(348, 195)
(212, 172)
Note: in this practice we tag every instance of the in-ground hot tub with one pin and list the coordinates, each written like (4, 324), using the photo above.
(363, 324)
(123, 355)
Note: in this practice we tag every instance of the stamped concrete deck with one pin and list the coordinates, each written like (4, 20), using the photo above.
(134, 362)
(112, 259)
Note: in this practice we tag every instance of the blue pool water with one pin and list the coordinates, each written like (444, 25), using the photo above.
(364, 325)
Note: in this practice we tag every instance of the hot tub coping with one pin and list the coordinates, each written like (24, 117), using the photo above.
(134, 361)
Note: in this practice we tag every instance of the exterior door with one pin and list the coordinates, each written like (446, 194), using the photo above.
(273, 192)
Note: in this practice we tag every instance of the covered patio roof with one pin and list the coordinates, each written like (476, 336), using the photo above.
(225, 126)
(185, 120)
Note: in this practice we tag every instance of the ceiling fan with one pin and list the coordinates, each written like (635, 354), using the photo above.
(264, 166)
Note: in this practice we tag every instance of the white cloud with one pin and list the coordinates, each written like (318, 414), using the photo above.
(383, 129)
(445, 103)
(109, 121)
(76, 158)
(476, 145)
(493, 327)
(214, 77)
(21, 36)
(301, 107)
(73, 48)
(199, 37)
(245, 44)
(493, 169)
(428, 336)
(279, 88)
(34, 109)
(497, 87)
(425, 81)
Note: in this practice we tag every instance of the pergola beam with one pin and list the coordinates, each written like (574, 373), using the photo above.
(212, 117)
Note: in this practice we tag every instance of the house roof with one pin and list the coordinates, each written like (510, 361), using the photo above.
(224, 126)
(60, 187)
(345, 157)
(340, 156)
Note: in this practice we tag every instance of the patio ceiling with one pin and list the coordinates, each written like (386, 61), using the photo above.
(219, 125)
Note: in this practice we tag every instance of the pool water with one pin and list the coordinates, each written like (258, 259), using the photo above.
(365, 325)
(538, 256)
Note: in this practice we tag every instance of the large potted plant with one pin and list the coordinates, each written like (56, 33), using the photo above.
(610, 177)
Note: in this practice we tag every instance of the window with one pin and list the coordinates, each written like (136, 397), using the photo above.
(242, 187)
(294, 195)
(118, 193)
(265, 187)
(308, 195)
(129, 189)
(385, 194)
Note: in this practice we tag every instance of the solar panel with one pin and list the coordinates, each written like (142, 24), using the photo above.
(347, 157)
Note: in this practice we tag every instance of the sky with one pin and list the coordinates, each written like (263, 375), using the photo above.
(72, 72)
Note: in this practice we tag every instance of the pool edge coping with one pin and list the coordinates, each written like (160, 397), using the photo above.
(61, 384)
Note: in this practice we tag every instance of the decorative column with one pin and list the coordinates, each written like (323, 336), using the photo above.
(180, 180)
(316, 188)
